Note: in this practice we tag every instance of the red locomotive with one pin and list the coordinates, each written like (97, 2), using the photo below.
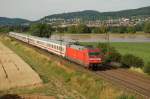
(88, 57)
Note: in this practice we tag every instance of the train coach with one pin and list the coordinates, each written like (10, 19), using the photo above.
(87, 57)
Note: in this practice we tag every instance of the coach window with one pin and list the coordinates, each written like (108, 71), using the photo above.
(56, 47)
(59, 48)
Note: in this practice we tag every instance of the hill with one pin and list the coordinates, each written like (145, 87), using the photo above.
(84, 15)
(95, 15)
(12, 21)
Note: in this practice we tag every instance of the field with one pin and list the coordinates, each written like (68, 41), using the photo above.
(61, 79)
(14, 72)
(139, 49)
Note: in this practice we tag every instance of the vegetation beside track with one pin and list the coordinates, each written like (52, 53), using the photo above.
(60, 78)
(140, 50)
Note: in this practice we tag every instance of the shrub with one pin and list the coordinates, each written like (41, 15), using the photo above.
(130, 60)
(110, 53)
(147, 27)
(41, 30)
(113, 57)
(147, 68)
(104, 47)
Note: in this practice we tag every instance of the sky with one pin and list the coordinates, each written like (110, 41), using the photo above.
(36, 9)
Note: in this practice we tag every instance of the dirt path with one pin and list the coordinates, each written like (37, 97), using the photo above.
(14, 72)
(130, 80)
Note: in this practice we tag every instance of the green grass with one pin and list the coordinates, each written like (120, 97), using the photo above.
(139, 49)
(62, 81)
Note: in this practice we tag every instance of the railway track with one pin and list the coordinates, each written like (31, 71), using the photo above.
(128, 80)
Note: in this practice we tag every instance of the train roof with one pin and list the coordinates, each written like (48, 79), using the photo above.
(59, 42)
(48, 40)
(79, 47)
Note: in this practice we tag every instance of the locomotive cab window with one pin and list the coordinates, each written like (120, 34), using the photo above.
(94, 53)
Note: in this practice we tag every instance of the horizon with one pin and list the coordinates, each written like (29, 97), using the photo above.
(34, 11)
(70, 12)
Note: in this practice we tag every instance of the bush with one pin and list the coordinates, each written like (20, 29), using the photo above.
(104, 47)
(114, 57)
(147, 68)
(147, 27)
(110, 53)
(41, 30)
(4, 29)
(80, 28)
(130, 60)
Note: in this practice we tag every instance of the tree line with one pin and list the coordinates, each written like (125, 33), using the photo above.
(45, 30)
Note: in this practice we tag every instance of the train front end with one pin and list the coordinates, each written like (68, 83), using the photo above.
(95, 57)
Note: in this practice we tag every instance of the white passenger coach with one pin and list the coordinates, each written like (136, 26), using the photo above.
(56, 47)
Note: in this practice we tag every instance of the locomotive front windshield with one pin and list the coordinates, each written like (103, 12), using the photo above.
(94, 54)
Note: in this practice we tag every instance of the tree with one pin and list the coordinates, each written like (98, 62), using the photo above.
(147, 27)
(131, 29)
(81, 28)
(96, 30)
(104, 29)
(113, 29)
(139, 27)
(112, 56)
(4, 29)
(130, 60)
(147, 68)
(41, 30)
(122, 29)
(72, 29)
(60, 29)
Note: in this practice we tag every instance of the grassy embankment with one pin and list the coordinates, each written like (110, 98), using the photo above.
(62, 80)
